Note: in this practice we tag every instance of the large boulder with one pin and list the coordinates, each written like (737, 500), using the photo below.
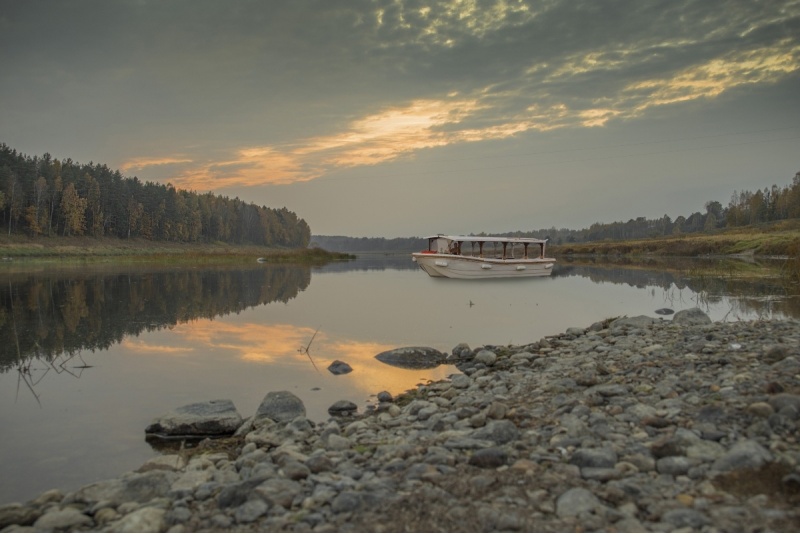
(640, 321)
(691, 316)
(412, 357)
(281, 407)
(201, 419)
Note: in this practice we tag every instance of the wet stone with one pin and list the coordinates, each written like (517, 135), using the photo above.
(489, 458)
(338, 367)
(648, 425)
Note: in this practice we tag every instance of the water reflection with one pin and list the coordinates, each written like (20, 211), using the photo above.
(751, 288)
(43, 315)
(89, 356)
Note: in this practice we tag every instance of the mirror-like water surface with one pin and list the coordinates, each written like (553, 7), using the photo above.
(89, 356)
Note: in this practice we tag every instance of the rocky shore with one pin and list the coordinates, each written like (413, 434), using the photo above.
(635, 424)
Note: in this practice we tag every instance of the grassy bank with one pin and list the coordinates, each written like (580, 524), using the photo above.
(774, 239)
(85, 249)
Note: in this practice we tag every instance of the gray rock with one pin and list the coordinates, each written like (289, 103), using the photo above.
(138, 487)
(319, 463)
(601, 474)
(461, 350)
(281, 407)
(279, 491)
(665, 311)
(342, 408)
(575, 331)
(16, 514)
(605, 457)
(639, 321)
(576, 501)
(147, 519)
(63, 519)
(294, 470)
(786, 404)
(788, 365)
(338, 443)
(212, 418)
(673, 465)
(608, 390)
(346, 501)
(499, 432)
(489, 458)
(412, 357)
(339, 367)
(686, 518)
(235, 495)
(467, 443)
(745, 454)
(250, 511)
(775, 353)
(675, 445)
(486, 357)
(385, 396)
(460, 381)
(692, 316)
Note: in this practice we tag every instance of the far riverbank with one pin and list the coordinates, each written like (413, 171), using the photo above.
(771, 240)
(43, 249)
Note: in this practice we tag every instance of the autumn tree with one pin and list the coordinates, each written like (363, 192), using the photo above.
(134, 213)
(73, 208)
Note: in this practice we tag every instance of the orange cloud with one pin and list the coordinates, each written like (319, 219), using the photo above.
(378, 138)
(765, 65)
(399, 131)
(141, 163)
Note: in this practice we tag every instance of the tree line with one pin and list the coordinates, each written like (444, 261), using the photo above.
(340, 243)
(45, 196)
(744, 208)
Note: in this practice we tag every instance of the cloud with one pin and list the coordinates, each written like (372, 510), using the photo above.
(288, 92)
(401, 130)
(144, 162)
(708, 80)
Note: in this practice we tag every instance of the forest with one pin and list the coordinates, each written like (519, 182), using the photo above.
(42, 196)
(744, 208)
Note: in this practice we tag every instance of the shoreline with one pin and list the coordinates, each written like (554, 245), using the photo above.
(113, 250)
(636, 424)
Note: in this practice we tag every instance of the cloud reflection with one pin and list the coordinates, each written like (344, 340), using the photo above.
(142, 347)
(283, 344)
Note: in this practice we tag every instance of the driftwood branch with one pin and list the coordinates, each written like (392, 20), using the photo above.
(307, 348)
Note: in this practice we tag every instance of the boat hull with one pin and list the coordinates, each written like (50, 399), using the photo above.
(471, 267)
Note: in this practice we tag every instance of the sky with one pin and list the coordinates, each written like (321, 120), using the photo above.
(396, 118)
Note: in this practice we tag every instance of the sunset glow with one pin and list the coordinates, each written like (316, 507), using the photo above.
(326, 110)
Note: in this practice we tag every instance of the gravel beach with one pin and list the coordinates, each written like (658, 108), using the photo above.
(628, 425)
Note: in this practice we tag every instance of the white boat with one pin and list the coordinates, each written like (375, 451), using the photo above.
(468, 257)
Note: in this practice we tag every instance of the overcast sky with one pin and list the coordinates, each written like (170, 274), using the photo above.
(402, 118)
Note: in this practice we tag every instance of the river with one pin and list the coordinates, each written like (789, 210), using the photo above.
(91, 354)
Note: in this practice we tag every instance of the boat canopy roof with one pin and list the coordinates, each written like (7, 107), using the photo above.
(487, 239)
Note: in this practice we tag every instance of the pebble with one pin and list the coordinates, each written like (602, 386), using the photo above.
(632, 425)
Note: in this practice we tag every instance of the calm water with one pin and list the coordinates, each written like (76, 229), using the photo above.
(89, 356)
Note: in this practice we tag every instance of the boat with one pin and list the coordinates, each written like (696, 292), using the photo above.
(480, 257)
